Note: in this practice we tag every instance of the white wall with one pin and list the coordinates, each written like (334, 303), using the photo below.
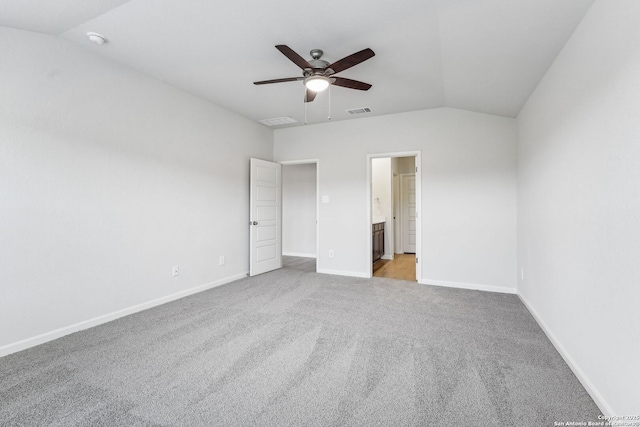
(468, 191)
(107, 180)
(382, 204)
(299, 209)
(579, 203)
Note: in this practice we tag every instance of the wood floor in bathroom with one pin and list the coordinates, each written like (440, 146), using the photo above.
(402, 267)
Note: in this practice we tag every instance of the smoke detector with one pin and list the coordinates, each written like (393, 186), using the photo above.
(96, 38)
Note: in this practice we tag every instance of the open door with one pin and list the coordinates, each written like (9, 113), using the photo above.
(265, 217)
(408, 214)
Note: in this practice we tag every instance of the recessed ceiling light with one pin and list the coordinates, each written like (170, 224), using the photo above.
(96, 38)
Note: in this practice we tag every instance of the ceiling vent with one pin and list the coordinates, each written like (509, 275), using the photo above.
(278, 121)
(361, 110)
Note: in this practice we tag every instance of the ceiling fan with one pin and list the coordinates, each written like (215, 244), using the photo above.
(318, 74)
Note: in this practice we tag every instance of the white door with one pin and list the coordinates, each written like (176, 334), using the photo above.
(397, 229)
(265, 217)
(409, 213)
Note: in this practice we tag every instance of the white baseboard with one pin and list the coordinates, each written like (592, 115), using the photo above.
(593, 392)
(344, 273)
(389, 257)
(299, 254)
(86, 324)
(472, 286)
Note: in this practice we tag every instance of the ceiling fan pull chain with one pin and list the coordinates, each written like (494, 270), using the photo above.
(305, 105)
(329, 118)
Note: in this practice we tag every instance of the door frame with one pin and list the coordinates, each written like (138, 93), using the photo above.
(418, 173)
(317, 163)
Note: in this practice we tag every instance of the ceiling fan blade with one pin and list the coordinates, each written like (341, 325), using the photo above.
(351, 84)
(286, 79)
(294, 57)
(351, 60)
(310, 96)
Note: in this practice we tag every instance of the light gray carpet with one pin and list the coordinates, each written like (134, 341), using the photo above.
(290, 348)
(299, 263)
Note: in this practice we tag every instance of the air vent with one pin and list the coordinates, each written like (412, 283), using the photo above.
(278, 121)
(361, 110)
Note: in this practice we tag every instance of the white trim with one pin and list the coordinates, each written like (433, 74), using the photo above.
(584, 380)
(86, 324)
(389, 257)
(344, 273)
(298, 162)
(299, 254)
(396, 154)
(471, 286)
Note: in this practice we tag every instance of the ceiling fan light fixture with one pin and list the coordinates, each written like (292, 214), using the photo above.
(317, 83)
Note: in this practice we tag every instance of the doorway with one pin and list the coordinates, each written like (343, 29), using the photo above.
(300, 214)
(394, 190)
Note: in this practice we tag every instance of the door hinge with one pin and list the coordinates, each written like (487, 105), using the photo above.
(416, 169)
(416, 260)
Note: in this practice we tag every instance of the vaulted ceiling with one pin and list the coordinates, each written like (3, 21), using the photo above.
(480, 55)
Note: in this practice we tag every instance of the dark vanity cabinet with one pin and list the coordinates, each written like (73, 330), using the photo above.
(378, 240)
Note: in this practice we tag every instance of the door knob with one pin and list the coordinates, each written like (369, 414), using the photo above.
(254, 223)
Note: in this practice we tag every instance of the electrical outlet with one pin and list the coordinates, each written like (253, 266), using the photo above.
(175, 271)
(221, 260)
(331, 253)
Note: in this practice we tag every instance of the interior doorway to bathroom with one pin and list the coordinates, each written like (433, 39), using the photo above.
(394, 212)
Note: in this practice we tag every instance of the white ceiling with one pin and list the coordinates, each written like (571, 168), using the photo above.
(479, 55)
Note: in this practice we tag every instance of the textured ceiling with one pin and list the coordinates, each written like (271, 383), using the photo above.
(479, 55)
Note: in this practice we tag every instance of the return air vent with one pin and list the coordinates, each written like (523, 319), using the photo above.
(278, 121)
(361, 110)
